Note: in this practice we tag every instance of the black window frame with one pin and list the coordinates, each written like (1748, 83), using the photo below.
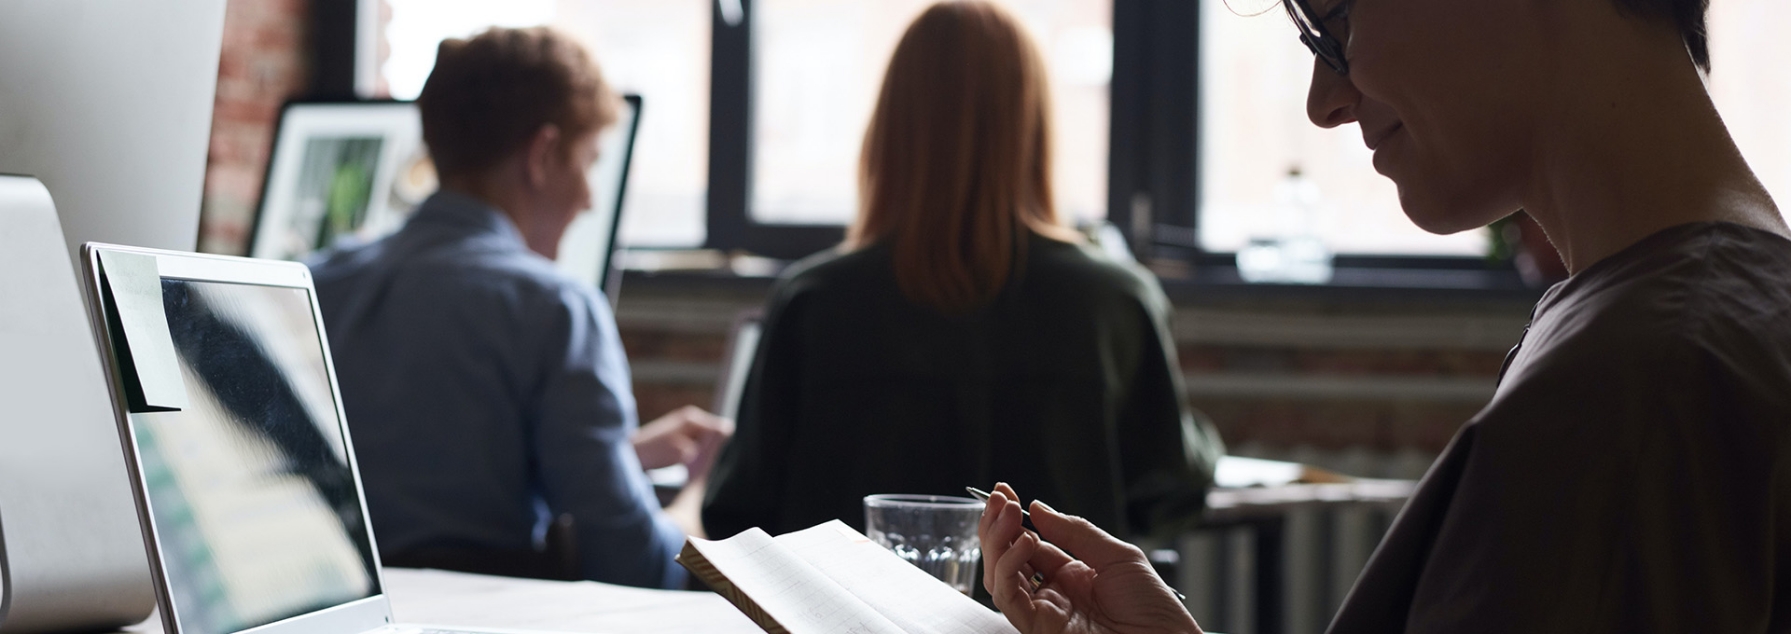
(731, 106)
(1153, 173)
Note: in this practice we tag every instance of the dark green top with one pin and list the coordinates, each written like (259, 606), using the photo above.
(1065, 385)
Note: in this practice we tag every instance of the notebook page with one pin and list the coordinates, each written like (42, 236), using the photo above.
(801, 598)
(907, 595)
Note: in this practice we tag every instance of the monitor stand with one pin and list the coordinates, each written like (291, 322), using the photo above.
(71, 550)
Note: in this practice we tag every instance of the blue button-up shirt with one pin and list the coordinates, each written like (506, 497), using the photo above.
(481, 385)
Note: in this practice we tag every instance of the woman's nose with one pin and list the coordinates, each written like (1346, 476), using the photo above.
(1332, 99)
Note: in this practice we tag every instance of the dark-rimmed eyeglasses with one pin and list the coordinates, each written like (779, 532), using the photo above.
(1314, 34)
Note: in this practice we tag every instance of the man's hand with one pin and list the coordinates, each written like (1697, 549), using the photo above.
(1111, 589)
(687, 436)
(691, 437)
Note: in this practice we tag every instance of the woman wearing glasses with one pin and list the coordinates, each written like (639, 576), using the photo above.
(1633, 470)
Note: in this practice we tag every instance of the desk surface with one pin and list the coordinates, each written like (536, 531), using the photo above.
(472, 602)
(465, 601)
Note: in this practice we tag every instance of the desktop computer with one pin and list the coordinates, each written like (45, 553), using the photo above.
(71, 556)
(107, 104)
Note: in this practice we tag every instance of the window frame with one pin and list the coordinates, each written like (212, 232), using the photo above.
(1155, 188)
(730, 224)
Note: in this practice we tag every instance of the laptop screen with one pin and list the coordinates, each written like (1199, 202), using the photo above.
(256, 510)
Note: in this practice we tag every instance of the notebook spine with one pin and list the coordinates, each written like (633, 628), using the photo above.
(698, 565)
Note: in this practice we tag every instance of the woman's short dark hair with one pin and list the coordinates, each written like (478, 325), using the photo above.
(1688, 15)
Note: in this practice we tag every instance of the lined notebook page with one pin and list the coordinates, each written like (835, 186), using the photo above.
(801, 598)
(902, 593)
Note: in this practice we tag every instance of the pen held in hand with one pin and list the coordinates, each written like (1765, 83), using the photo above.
(1025, 516)
(1026, 523)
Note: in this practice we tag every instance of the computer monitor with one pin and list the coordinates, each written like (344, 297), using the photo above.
(588, 250)
(743, 345)
(109, 103)
(354, 171)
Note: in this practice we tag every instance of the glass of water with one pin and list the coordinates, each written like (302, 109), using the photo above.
(936, 533)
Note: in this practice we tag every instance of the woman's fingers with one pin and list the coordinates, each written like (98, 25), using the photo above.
(1049, 559)
(999, 532)
(1082, 538)
(1010, 584)
(991, 507)
(991, 548)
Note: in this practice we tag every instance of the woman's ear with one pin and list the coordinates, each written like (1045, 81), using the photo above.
(540, 154)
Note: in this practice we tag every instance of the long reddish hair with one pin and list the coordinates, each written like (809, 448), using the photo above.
(956, 165)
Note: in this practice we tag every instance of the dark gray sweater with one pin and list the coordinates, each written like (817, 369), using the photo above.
(1065, 385)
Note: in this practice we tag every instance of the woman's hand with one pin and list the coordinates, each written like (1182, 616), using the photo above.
(1111, 588)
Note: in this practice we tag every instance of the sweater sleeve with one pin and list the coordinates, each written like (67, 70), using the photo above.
(1169, 448)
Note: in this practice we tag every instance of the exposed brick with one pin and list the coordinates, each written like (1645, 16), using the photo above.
(1430, 363)
(1377, 425)
(263, 63)
(653, 401)
(672, 346)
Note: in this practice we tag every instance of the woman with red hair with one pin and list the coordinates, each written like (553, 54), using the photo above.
(962, 334)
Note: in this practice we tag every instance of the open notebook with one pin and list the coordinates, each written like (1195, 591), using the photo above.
(831, 578)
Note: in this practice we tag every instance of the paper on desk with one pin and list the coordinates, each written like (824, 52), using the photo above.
(146, 357)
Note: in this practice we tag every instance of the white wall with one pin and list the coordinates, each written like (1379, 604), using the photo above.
(108, 102)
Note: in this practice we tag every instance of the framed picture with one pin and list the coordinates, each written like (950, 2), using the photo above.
(340, 170)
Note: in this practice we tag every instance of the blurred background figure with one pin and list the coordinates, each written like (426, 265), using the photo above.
(488, 391)
(962, 335)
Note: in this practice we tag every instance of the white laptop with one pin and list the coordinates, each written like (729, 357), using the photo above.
(240, 459)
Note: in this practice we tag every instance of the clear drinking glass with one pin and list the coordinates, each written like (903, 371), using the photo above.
(936, 533)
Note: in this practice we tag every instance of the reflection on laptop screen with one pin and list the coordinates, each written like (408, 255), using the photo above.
(254, 504)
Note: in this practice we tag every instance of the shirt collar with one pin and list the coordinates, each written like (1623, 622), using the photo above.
(465, 213)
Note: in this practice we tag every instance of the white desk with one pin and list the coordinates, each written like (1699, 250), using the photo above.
(473, 601)
(463, 601)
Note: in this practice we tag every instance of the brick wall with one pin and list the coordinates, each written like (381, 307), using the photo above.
(264, 62)
(1367, 389)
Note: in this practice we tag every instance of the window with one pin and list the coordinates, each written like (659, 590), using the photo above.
(656, 48)
(756, 110)
(1751, 87)
(819, 67)
(1253, 131)
(799, 79)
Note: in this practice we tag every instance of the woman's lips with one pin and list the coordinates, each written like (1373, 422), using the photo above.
(1378, 143)
(1374, 142)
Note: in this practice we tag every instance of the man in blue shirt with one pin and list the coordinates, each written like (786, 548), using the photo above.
(487, 391)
